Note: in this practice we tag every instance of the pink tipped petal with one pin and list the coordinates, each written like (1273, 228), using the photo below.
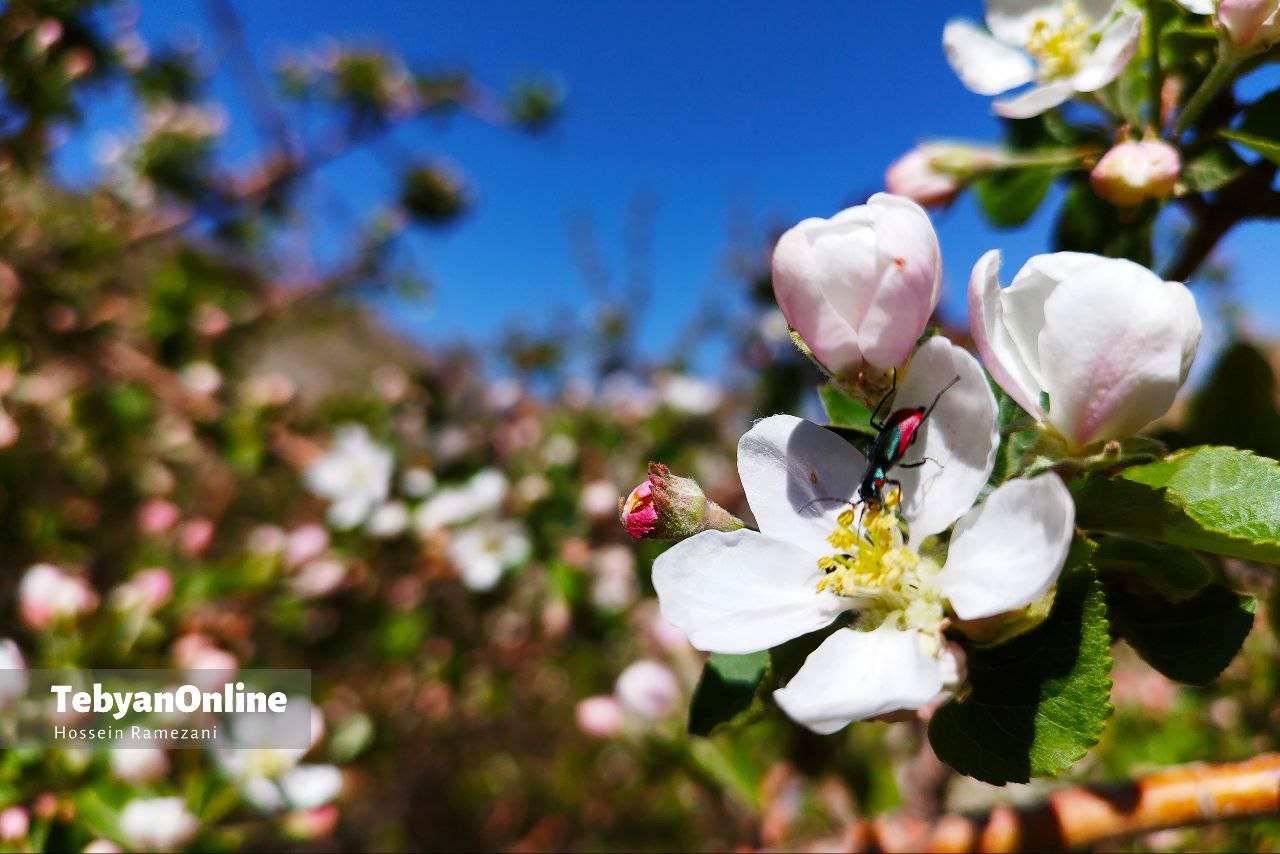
(909, 281)
(957, 443)
(1112, 351)
(984, 64)
(1008, 551)
(986, 325)
(742, 591)
(1034, 101)
(854, 676)
(798, 477)
(1115, 50)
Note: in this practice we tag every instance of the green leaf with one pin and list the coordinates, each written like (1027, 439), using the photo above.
(1214, 499)
(1237, 405)
(1189, 641)
(1259, 129)
(1010, 196)
(1013, 441)
(1169, 571)
(1040, 701)
(727, 692)
(1213, 169)
(845, 412)
(1087, 223)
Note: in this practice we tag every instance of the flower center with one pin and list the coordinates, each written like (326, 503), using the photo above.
(891, 580)
(1059, 45)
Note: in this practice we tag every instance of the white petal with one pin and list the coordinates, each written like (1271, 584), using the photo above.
(857, 675)
(262, 793)
(309, 786)
(1118, 45)
(798, 477)
(1198, 7)
(1012, 20)
(348, 512)
(982, 63)
(987, 326)
(1112, 351)
(742, 591)
(1190, 322)
(1034, 101)
(1007, 552)
(959, 438)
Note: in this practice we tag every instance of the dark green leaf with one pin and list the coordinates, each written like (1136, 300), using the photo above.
(1189, 641)
(1040, 701)
(1218, 500)
(1170, 571)
(1259, 129)
(1237, 405)
(1087, 223)
(727, 691)
(1009, 197)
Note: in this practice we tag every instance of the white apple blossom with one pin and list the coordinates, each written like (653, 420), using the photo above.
(157, 824)
(388, 521)
(648, 689)
(48, 594)
(1062, 46)
(859, 288)
(272, 778)
(355, 476)
(481, 495)
(482, 551)
(1251, 23)
(13, 674)
(688, 394)
(1094, 347)
(138, 764)
(812, 560)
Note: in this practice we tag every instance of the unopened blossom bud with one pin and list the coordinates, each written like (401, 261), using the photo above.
(48, 595)
(933, 175)
(103, 846)
(312, 823)
(15, 824)
(858, 289)
(157, 516)
(1094, 348)
(1132, 172)
(1253, 24)
(668, 507)
(195, 536)
(648, 690)
(158, 824)
(599, 717)
(145, 592)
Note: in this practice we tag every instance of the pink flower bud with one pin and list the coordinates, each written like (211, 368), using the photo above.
(157, 516)
(1250, 23)
(668, 507)
(859, 288)
(312, 823)
(195, 536)
(48, 595)
(306, 542)
(638, 514)
(648, 690)
(15, 824)
(599, 717)
(145, 592)
(932, 175)
(103, 846)
(13, 674)
(1132, 172)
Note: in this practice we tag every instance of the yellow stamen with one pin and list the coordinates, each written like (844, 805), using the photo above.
(1060, 46)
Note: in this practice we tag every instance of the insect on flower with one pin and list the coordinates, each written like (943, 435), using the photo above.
(894, 435)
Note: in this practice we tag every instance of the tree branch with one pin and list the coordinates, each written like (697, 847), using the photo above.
(1083, 816)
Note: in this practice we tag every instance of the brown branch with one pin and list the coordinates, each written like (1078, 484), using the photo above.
(1083, 816)
(1248, 197)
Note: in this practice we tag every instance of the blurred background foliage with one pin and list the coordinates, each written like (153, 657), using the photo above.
(170, 372)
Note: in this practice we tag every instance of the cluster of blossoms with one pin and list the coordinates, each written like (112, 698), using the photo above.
(1091, 348)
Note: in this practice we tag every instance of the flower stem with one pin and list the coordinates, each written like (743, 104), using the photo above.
(1155, 76)
(1228, 61)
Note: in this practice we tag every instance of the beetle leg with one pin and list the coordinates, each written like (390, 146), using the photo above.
(917, 464)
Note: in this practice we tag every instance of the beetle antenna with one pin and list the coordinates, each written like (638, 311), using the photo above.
(939, 397)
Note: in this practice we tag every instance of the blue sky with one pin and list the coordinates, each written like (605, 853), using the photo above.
(720, 112)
